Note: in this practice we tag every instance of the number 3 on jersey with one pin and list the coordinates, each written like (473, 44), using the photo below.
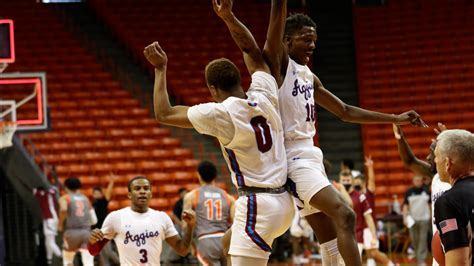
(262, 133)
(144, 258)
(210, 204)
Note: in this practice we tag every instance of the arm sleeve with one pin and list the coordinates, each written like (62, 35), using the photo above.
(264, 84)
(451, 224)
(212, 119)
(108, 227)
(169, 228)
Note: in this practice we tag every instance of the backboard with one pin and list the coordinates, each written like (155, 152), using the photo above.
(27, 94)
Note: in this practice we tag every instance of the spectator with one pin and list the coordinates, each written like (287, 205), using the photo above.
(348, 164)
(454, 210)
(416, 216)
(47, 199)
(108, 256)
(178, 206)
(366, 233)
(371, 246)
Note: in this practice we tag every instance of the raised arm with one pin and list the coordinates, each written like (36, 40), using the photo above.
(110, 187)
(409, 159)
(242, 37)
(164, 112)
(354, 114)
(369, 163)
(274, 51)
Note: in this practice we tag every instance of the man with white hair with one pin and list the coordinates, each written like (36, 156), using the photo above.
(454, 210)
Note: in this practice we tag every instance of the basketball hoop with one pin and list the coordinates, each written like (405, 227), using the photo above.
(7, 130)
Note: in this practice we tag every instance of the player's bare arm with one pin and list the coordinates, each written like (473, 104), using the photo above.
(182, 244)
(242, 37)
(459, 256)
(354, 114)
(369, 163)
(409, 159)
(164, 112)
(62, 213)
(232, 208)
(371, 225)
(188, 200)
(274, 51)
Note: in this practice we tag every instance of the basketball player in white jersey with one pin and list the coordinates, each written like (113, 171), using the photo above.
(423, 168)
(214, 210)
(139, 231)
(289, 47)
(249, 130)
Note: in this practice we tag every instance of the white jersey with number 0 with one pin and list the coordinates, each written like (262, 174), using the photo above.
(250, 132)
(297, 107)
(138, 236)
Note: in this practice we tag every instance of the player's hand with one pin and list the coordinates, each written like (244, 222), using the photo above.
(441, 127)
(189, 217)
(410, 117)
(96, 236)
(369, 162)
(156, 56)
(112, 177)
(224, 9)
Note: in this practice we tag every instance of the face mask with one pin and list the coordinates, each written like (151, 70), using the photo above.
(357, 187)
(348, 186)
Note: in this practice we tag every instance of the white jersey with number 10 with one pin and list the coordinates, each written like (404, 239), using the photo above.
(297, 106)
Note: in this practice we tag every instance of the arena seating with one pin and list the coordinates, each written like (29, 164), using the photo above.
(413, 55)
(190, 33)
(97, 127)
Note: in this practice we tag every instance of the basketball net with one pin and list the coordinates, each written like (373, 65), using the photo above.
(7, 129)
(3, 66)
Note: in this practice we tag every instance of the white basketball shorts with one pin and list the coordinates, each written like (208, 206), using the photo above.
(259, 219)
(306, 174)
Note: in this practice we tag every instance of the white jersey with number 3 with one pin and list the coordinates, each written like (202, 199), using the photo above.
(138, 236)
(250, 132)
(297, 107)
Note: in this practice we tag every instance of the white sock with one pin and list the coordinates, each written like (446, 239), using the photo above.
(371, 262)
(87, 258)
(330, 253)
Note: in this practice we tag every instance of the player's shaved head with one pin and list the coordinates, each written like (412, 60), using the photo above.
(223, 75)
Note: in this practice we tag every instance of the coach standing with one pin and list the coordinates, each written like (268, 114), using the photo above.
(454, 210)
